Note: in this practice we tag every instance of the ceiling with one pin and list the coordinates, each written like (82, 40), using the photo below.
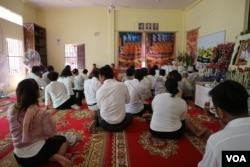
(132, 4)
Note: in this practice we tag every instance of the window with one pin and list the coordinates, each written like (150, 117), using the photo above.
(15, 56)
(75, 55)
(10, 16)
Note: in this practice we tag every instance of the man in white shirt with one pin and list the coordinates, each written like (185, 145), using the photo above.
(136, 91)
(230, 104)
(45, 75)
(57, 93)
(111, 98)
(36, 74)
(90, 88)
(78, 86)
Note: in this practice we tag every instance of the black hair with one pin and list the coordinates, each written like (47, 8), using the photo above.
(66, 72)
(50, 68)
(172, 86)
(175, 75)
(152, 71)
(95, 73)
(75, 71)
(162, 72)
(231, 97)
(52, 76)
(130, 72)
(144, 71)
(27, 93)
(36, 69)
(85, 71)
(107, 72)
(139, 74)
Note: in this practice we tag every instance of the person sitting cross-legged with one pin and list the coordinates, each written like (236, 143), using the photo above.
(169, 118)
(33, 130)
(137, 92)
(57, 93)
(111, 99)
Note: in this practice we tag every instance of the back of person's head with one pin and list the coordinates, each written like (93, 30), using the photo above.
(95, 73)
(231, 97)
(66, 72)
(50, 68)
(145, 71)
(132, 66)
(152, 71)
(139, 74)
(27, 93)
(68, 66)
(172, 86)
(85, 71)
(130, 72)
(155, 67)
(75, 71)
(53, 76)
(175, 75)
(107, 72)
(162, 72)
(36, 69)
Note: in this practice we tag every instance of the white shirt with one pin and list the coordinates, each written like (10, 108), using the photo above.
(168, 112)
(38, 80)
(160, 85)
(45, 77)
(146, 83)
(78, 82)
(111, 98)
(90, 88)
(152, 78)
(57, 93)
(67, 81)
(186, 87)
(235, 136)
(135, 104)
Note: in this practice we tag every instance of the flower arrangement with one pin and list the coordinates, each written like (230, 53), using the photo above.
(205, 55)
(185, 59)
(222, 56)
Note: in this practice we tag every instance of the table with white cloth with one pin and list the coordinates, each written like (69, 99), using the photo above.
(201, 94)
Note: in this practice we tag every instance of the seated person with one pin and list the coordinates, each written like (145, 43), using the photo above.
(111, 98)
(33, 130)
(45, 75)
(36, 74)
(174, 74)
(185, 86)
(90, 88)
(169, 114)
(159, 84)
(230, 101)
(78, 86)
(137, 94)
(57, 93)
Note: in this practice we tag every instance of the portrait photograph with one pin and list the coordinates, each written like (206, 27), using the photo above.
(148, 26)
(155, 26)
(140, 26)
(244, 53)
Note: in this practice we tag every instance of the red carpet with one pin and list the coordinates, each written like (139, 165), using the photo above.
(132, 147)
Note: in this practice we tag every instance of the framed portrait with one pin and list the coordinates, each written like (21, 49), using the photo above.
(148, 26)
(243, 55)
(156, 26)
(140, 26)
